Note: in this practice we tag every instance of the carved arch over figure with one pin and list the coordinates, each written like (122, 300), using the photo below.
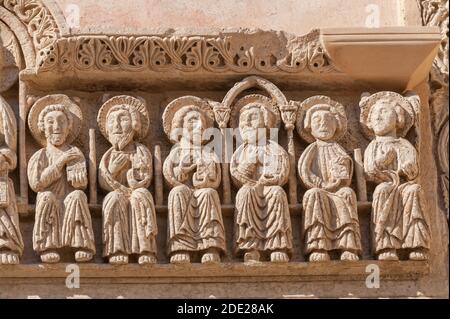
(250, 82)
(37, 24)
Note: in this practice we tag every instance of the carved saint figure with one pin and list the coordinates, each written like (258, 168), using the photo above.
(11, 243)
(193, 171)
(329, 204)
(57, 172)
(390, 161)
(260, 167)
(129, 218)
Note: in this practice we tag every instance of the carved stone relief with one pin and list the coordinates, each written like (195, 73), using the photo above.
(11, 243)
(399, 220)
(58, 174)
(125, 172)
(330, 210)
(260, 167)
(212, 54)
(194, 173)
(435, 13)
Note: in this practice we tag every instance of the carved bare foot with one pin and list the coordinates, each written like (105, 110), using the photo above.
(349, 256)
(211, 256)
(389, 254)
(252, 256)
(279, 257)
(83, 256)
(50, 257)
(118, 259)
(319, 255)
(8, 258)
(180, 258)
(418, 255)
(147, 259)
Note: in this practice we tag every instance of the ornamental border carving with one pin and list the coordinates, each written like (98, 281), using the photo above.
(184, 53)
(39, 21)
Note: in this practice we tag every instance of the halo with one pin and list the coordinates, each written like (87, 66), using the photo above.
(55, 99)
(272, 116)
(367, 103)
(130, 101)
(178, 104)
(334, 107)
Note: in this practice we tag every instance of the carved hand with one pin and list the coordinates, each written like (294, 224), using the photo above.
(181, 171)
(69, 156)
(410, 171)
(116, 165)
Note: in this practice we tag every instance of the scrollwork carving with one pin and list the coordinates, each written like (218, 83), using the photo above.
(187, 54)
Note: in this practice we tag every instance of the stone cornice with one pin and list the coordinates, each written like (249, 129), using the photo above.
(263, 52)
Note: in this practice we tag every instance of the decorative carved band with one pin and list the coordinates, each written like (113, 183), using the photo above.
(239, 53)
(39, 21)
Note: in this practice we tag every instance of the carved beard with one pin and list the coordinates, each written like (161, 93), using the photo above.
(56, 139)
(120, 141)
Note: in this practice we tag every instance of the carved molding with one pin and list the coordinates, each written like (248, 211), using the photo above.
(224, 53)
(39, 21)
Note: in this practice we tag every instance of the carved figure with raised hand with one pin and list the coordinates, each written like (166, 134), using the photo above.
(11, 243)
(260, 167)
(329, 205)
(57, 172)
(193, 171)
(391, 161)
(129, 218)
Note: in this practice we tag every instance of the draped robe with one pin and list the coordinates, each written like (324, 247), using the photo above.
(62, 212)
(195, 216)
(262, 216)
(10, 236)
(398, 219)
(330, 212)
(129, 217)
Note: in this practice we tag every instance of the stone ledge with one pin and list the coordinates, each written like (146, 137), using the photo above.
(224, 272)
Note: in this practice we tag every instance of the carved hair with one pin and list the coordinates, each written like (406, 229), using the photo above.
(323, 107)
(399, 111)
(135, 117)
(178, 118)
(54, 108)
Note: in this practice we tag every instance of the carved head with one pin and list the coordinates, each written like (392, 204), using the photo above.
(55, 120)
(255, 114)
(189, 123)
(123, 119)
(388, 114)
(385, 117)
(252, 122)
(186, 118)
(322, 122)
(321, 118)
(122, 123)
(56, 123)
